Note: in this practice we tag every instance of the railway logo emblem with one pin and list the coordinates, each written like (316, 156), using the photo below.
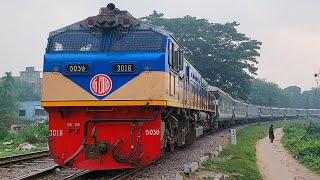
(100, 85)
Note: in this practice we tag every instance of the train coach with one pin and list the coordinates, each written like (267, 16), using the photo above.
(231, 111)
(120, 94)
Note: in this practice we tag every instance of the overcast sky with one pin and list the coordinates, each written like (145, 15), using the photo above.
(288, 29)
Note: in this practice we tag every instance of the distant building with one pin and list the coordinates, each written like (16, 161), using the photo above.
(33, 77)
(17, 126)
(32, 110)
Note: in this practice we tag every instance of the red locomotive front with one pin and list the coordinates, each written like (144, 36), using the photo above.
(105, 138)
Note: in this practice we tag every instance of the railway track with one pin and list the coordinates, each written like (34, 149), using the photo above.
(127, 174)
(56, 172)
(5, 161)
(40, 166)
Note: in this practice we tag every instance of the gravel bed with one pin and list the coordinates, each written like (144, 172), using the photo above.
(27, 167)
(60, 173)
(168, 168)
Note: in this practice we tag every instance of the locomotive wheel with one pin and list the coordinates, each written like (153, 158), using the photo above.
(192, 136)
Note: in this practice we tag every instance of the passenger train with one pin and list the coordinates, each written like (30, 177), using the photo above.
(120, 94)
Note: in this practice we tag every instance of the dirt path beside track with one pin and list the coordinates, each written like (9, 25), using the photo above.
(275, 163)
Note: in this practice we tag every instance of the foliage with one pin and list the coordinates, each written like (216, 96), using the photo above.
(11, 91)
(311, 127)
(295, 98)
(243, 159)
(225, 57)
(9, 150)
(3, 132)
(8, 100)
(38, 134)
(25, 91)
(264, 92)
(302, 140)
(311, 98)
(240, 160)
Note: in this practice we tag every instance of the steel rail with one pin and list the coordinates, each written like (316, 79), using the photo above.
(38, 173)
(77, 174)
(24, 157)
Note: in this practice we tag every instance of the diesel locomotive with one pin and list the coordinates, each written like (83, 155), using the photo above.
(120, 94)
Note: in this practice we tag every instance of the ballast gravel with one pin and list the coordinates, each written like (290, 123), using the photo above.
(168, 168)
(17, 170)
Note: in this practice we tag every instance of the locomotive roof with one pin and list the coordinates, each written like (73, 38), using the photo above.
(136, 24)
(216, 89)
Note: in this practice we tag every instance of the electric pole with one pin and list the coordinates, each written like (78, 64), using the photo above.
(317, 77)
(307, 105)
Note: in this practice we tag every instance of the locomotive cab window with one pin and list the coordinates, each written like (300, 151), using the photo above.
(76, 41)
(174, 60)
(181, 60)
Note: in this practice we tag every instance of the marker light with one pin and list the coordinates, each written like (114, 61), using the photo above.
(125, 21)
(90, 22)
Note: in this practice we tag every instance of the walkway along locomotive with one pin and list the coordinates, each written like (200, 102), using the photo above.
(119, 94)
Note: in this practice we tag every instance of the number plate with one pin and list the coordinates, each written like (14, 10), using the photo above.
(123, 68)
(77, 68)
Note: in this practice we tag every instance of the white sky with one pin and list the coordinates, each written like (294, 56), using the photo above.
(288, 29)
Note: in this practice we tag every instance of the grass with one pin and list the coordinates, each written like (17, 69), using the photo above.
(302, 140)
(9, 150)
(239, 161)
(36, 136)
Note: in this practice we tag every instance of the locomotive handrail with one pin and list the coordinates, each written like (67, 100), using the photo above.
(85, 136)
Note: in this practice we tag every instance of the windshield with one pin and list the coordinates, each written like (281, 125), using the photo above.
(74, 41)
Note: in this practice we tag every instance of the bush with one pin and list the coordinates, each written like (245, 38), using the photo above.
(302, 141)
(310, 128)
(37, 134)
(3, 132)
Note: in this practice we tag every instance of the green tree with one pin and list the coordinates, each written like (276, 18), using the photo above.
(8, 100)
(225, 57)
(310, 99)
(25, 91)
(295, 96)
(263, 92)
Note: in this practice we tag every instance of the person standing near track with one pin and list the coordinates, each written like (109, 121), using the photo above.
(271, 134)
